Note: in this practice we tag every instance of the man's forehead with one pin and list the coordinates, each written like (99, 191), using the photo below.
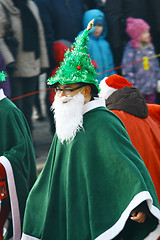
(73, 85)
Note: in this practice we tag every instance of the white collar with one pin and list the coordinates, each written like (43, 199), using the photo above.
(97, 102)
(2, 94)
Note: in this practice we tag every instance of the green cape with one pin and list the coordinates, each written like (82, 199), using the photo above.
(89, 186)
(18, 158)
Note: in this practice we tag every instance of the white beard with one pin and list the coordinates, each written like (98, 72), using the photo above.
(68, 115)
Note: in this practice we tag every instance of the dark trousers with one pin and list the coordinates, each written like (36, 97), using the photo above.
(20, 87)
(37, 101)
(158, 98)
(48, 106)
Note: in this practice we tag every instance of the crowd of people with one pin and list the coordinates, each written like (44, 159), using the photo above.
(101, 177)
(38, 24)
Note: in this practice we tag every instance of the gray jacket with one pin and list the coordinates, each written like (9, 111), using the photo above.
(27, 64)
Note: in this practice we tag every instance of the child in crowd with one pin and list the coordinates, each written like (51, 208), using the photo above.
(144, 72)
(99, 48)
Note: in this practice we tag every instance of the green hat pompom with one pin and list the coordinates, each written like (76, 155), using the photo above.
(3, 76)
(77, 65)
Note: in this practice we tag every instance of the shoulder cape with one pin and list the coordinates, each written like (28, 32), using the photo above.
(18, 158)
(89, 186)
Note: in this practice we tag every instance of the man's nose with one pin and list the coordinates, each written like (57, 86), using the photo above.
(61, 94)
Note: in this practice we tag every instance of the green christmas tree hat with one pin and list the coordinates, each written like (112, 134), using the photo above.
(76, 66)
(3, 76)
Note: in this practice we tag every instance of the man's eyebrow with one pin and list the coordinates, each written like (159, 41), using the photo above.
(65, 86)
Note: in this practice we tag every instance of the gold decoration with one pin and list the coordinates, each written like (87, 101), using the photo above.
(90, 25)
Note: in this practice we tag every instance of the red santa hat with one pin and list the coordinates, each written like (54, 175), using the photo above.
(111, 84)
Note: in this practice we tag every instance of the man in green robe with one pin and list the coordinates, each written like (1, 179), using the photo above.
(17, 164)
(94, 185)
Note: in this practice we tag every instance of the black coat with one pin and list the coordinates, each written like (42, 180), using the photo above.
(62, 19)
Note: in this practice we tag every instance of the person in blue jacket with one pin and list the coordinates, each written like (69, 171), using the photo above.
(99, 48)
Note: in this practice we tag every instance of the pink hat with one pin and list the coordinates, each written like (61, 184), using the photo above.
(136, 27)
(111, 84)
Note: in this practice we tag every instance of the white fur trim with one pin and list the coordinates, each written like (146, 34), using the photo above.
(105, 91)
(2, 94)
(114, 230)
(119, 225)
(13, 198)
(97, 102)
(27, 237)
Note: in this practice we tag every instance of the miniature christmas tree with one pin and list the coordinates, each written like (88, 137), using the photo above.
(77, 65)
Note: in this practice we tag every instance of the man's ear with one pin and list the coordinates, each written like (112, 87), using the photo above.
(87, 93)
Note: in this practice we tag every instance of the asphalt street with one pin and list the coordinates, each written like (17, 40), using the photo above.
(42, 136)
(42, 139)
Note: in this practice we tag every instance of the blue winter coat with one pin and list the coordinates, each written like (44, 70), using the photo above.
(99, 48)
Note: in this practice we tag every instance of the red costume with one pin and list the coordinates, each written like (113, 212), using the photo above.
(141, 120)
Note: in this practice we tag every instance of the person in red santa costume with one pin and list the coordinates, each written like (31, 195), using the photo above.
(141, 120)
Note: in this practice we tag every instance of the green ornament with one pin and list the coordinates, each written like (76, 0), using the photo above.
(3, 76)
(77, 65)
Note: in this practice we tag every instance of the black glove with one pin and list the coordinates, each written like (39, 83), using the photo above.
(44, 70)
(11, 67)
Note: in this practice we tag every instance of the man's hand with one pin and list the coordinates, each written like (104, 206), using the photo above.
(11, 67)
(139, 217)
